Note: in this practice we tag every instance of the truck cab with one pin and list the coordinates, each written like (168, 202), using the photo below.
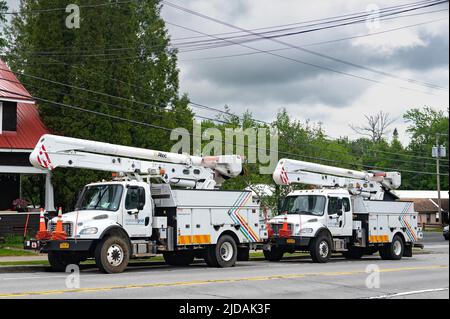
(307, 211)
(103, 206)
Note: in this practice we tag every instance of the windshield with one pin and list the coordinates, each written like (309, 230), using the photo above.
(304, 204)
(100, 197)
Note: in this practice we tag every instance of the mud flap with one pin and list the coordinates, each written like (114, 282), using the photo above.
(408, 251)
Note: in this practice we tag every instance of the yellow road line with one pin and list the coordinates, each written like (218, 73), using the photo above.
(214, 281)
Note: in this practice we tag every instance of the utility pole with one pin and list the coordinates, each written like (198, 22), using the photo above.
(438, 151)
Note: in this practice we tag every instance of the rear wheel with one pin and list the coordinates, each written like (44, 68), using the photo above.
(320, 248)
(179, 259)
(112, 255)
(59, 260)
(223, 254)
(393, 250)
(353, 253)
(274, 254)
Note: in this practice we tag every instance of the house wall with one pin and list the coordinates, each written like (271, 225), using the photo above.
(9, 190)
(429, 219)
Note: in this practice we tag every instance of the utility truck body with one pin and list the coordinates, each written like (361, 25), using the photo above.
(171, 208)
(350, 212)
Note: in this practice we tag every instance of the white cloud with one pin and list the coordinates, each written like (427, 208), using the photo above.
(263, 83)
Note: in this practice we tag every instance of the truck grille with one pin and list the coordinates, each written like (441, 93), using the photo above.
(67, 227)
(276, 228)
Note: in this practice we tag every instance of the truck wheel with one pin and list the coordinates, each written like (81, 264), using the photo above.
(179, 259)
(353, 253)
(274, 254)
(393, 250)
(210, 257)
(112, 255)
(243, 254)
(320, 249)
(223, 254)
(59, 261)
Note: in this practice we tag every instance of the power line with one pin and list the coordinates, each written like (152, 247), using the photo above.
(153, 106)
(320, 42)
(308, 50)
(194, 135)
(63, 9)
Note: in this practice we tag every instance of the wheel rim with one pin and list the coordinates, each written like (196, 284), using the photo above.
(114, 255)
(397, 248)
(226, 251)
(323, 249)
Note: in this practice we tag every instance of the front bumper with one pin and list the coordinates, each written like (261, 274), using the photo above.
(59, 245)
(296, 241)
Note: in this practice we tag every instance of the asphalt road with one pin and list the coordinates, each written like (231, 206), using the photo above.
(426, 275)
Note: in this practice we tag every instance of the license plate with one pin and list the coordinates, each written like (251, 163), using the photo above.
(64, 245)
(290, 241)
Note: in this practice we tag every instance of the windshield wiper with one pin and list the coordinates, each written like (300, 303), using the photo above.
(101, 196)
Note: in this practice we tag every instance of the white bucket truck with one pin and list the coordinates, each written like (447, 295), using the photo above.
(160, 203)
(348, 211)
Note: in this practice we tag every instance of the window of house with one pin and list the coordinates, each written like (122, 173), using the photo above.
(8, 116)
(428, 218)
(437, 217)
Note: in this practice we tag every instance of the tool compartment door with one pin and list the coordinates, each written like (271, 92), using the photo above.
(201, 226)
(184, 226)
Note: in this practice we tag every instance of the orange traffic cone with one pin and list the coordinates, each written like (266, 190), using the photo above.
(42, 234)
(284, 231)
(59, 233)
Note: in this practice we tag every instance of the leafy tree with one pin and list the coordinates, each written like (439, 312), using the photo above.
(3, 9)
(122, 50)
(425, 123)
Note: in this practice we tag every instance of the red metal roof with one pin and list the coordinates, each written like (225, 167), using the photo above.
(9, 83)
(29, 125)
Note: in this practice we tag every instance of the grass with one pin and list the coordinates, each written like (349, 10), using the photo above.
(12, 245)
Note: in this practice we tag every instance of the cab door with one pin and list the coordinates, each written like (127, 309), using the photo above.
(339, 220)
(137, 212)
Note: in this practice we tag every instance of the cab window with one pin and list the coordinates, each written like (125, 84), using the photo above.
(333, 205)
(135, 195)
(346, 204)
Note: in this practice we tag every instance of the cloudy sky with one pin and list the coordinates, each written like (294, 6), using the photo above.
(263, 83)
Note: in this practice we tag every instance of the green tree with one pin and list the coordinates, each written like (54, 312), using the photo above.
(121, 50)
(3, 9)
(424, 123)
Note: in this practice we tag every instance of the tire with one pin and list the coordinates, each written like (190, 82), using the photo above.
(353, 253)
(320, 248)
(59, 261)
(223, 254)
(274, 254)
(209, 256)
(393, 250)
(243, 254)
(112, 255)
(179, 259)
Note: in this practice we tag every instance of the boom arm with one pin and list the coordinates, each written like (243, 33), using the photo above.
(369, 184)
(184, 170)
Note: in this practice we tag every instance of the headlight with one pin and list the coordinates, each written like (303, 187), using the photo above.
(306, 231)
(89, 231)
